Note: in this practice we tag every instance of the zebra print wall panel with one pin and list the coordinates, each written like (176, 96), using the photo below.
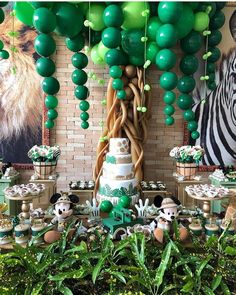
(217, 116)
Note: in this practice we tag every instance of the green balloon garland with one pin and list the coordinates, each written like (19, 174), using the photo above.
(4, 54)
(44, 21)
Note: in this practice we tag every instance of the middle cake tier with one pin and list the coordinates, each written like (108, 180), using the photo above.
(118, 171)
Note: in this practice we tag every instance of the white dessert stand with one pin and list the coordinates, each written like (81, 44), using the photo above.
(25, 207)
(206, 207)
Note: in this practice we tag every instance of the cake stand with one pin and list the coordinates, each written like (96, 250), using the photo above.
(25, 207)
(206, 207)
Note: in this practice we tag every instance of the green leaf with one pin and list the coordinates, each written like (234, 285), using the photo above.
(225, 288)
(206, 290)
(82, 247)
(118, 275)
(163, 265)
(168, 288)
(75, 274)
(188, 287)
(37, 289)
(230, 251)
(65, 290)
(203, 265)
(98, 267)
(176, 229)
(216, 282)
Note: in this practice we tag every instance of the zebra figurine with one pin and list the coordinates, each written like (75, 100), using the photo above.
(217, 116)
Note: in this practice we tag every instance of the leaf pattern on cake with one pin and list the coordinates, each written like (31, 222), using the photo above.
(118, 192)
(111, 159)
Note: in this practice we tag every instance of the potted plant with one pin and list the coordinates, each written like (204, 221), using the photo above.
(187, 159)
(44, 159)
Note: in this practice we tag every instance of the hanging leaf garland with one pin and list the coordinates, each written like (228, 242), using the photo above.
(44, 21)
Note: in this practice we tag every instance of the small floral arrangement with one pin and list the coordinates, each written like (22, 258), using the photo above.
(44, 153)
(187, 154)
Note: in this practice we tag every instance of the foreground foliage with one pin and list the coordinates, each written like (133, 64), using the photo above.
(131, 266)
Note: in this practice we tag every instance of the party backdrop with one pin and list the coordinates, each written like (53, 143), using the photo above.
(20, 92)
(215, 109)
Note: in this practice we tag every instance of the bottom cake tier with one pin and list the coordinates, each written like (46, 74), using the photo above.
(112, 190)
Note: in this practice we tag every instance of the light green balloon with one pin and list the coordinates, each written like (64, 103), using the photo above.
(133, 18)
(24, 12)
(95, 16)
(102, 50)
(96, 58)
(201, 21)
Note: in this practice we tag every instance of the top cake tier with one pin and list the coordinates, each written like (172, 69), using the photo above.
(119, 146)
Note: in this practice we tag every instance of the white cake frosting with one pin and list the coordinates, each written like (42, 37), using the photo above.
(118, 173)
(119, 146)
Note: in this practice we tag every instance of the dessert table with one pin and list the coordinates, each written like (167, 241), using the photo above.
(25, 207)
(207, 202)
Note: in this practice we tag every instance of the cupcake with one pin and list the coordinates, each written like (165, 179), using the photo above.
(21, 233)
(230, 230)
(196, 228)
(36, 230)
(211, 230)
(5, 231)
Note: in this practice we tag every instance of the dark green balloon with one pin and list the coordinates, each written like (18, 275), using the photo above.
(70, 19)
(84, 105)
(84, 116)
(188, 115)
(214, 38)
(81, 92)
(44, 20)
(117, 84)
(215, 54)
(185, 22)
(3, 4)
(44, 45)
(220, 5)
(115, 57)
(136, 60)
(169, 12)
(186, 84)
(106, 206)
(166, 36)
(51, 102)
(84, 125)
(50, 85)
(169, 97)
(52, 114)
(96, 37)
(111, 37)
(211, 76)
(195, 134)
(79, 60)
(211, 67)
(192, 126)
(169, 110)
(124, 201)
(115, 72)
(49, 124)
(165, 59)
(151, 51)
(2, 16)
(131, 42)
(1, 45)
(194, 5)
(113, 16)
(4, 54)
(189, 64)
(184, 101)
(37, 5)
(79, 77)
(168, 80)
(76, 43)
(203, 6)
(169, 121)
(192, 42)
(153, 25)
(121, 94)
(211, 85)
(45, 67)
(217, 20)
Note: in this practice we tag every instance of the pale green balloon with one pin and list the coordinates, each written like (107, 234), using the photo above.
(95, 16)
(96, 58)
(133, 14)
(102, 50)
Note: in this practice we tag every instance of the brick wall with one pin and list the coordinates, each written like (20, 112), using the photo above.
(79, 146)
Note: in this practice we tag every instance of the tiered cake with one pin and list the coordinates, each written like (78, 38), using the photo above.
(118, 173)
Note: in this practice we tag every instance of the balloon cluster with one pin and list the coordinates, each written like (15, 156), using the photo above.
(3, 53)
(44, 21)
(79, 77)
(213, 39)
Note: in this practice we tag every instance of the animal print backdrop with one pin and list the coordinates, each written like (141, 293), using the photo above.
(21, 104)
(217, 116)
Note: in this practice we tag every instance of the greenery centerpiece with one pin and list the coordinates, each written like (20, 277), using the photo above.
(44, 159)
(187, 159)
